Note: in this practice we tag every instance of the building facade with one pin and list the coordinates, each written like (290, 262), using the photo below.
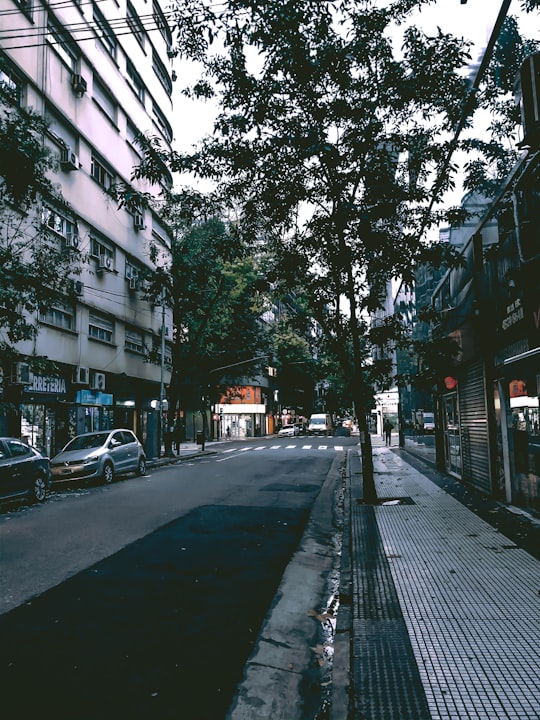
(99, 73)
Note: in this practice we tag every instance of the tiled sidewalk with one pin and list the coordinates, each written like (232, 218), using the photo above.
(469, 599)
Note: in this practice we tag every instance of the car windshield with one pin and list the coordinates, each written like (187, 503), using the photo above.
(317, 421)
(84, 442)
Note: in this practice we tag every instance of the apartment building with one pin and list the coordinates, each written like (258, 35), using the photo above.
(100, 73)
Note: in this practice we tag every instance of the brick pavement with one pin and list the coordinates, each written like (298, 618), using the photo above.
(445, 609)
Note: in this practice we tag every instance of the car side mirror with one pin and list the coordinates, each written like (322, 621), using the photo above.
(114, 443)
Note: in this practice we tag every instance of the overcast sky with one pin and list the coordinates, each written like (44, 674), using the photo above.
(473, 21)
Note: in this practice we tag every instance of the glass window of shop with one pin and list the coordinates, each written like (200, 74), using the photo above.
(523, 392)
(98, 418)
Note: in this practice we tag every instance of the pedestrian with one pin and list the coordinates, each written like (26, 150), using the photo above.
(388, 427)
(228, 432)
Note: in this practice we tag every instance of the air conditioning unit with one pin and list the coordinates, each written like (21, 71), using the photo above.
(81, 375)
(72, 240)
(21, 374)
(105, 262)
(69, 160)
(138, 221)
(529, 90)
(171, 52)
(78, 287)
(78, 84)
(97, 381)
(133, 283)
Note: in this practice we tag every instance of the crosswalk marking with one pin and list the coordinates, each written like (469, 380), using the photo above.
(336, 448)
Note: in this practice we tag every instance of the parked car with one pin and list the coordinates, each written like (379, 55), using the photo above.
(23, 471)
(289, 431)
(101, 455)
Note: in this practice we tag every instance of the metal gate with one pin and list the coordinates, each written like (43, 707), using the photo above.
(474, 428)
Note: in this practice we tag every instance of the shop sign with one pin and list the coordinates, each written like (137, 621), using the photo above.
(47, 384)
(514, 314)
(93, 397)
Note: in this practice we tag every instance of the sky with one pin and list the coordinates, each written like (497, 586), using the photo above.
(473, 21)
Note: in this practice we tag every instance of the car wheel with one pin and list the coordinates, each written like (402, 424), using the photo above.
(141, 467)
(39, 491)
(108, 473)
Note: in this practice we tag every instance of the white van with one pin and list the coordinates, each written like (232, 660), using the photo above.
(320, 424)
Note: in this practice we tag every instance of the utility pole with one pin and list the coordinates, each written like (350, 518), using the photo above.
(162, 380)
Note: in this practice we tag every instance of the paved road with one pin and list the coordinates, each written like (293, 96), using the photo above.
(152, 591)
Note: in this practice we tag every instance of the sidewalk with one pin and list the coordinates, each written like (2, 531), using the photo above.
(440, 612)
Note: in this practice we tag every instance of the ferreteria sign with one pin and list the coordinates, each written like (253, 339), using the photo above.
(47, 384)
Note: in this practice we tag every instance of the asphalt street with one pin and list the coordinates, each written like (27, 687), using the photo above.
(163, 626)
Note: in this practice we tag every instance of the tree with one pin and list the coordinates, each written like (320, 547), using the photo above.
(209, 281)
(334, 136)
(35, 270)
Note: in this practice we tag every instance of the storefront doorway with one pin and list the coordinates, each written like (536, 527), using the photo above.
(452, 437)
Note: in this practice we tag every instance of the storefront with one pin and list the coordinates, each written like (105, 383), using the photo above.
(518, 429)
(242, 413)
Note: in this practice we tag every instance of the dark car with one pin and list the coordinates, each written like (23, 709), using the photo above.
(23, 471)
(101, 455)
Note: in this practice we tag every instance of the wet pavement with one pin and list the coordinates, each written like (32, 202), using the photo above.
(440, 611)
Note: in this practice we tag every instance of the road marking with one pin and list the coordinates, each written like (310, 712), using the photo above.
(229, 450)
(245, 449)
(289, 447)
(307, 447)
(261, 447)
(275, 447)
(323, 447)
(338, 447)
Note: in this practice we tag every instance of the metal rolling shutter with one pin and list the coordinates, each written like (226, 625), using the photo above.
(474, 428)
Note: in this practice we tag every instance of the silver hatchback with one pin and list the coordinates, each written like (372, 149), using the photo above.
(101, 455)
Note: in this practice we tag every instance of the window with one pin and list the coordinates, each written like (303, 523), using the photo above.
(99, 250)
(134, 341)
(135, 24)
(162, 123)
(161, 23)
(105, 33)
(27, 7)
(161, 72)
(100, 173)
(60, 224)
(62, 44)
(135, 80)
(105, 100)
(100, 328)
(132, 271)
(10, 83)
(60, 315)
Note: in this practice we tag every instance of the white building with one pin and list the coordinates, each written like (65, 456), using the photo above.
(100, 73)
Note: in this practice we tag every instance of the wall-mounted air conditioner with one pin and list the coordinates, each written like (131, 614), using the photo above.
(105, 262)
(81, 375)
(97, 381)
(72, 240)
(138, 221)
(69, 160)
(21, 374)
(78, 84)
